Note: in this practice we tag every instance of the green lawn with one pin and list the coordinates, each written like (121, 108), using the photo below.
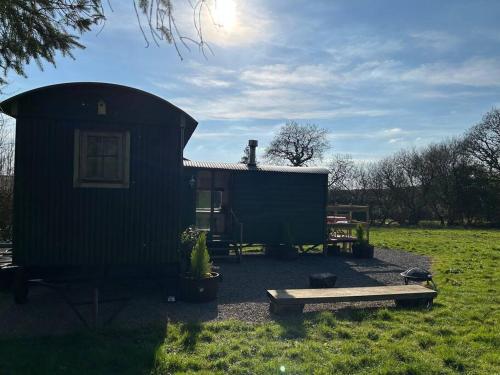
(459, 335)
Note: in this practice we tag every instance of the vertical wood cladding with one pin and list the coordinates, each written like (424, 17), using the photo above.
(58, 224)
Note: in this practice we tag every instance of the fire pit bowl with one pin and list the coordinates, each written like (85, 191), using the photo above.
(417, 274)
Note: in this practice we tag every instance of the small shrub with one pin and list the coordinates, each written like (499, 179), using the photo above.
(188, 239)
(360, 235)
(200, 259)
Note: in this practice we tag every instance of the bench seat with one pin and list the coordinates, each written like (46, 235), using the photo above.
(293, 300)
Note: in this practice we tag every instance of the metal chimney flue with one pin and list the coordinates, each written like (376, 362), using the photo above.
(252, 145)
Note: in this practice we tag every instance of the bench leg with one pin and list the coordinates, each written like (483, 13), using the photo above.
(279, 309)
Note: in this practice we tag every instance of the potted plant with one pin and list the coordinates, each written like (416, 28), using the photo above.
(200, 284)
(286, 250)
(188, 239)
(333, 250)
(361, 248)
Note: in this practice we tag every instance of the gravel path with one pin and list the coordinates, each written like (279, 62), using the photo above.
(241, 294)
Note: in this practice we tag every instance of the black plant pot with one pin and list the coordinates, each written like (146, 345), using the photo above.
(362, 250)
(333, 250)
(282, 252)
(200, 290)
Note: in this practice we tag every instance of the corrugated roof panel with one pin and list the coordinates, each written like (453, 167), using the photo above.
(258, 168)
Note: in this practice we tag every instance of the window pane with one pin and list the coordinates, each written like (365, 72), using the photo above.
(203, 220)
(217, 200)
(93, 167)
(93, 143)
(103, 158)
(203, 199)
(111, 168)
(110, 146)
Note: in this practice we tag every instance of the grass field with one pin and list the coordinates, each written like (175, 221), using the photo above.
(459, 335)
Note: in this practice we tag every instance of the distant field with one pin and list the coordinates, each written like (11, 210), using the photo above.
(460, 334)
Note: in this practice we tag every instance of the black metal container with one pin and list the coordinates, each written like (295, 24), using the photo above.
(200, 290)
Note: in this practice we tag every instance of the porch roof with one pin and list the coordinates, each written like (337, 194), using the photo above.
(259, 168)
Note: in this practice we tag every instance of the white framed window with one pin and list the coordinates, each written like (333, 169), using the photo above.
(204, 200)
(102, 159)
(203, 207)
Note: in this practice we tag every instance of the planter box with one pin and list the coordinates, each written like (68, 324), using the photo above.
(333, 250)
(200, 290)
(322, 280)
(362, 251)
(282, 252)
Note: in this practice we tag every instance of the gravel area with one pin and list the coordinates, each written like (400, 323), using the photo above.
(241, 296)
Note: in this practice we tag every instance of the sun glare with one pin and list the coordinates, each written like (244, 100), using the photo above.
(224, 13)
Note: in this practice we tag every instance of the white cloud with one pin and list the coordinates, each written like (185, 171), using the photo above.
(392, 135)
(283, 75)
(476, 72)
(437, 40)
(207, 82)
(479, 72)
(447, 94)
(323, 91)
(166, 85)
(231, 131)
(395, 140)
(363, 47)
(273, 104)
(392, 131)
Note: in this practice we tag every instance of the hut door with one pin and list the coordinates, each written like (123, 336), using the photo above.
(211, 202)
(210, 199)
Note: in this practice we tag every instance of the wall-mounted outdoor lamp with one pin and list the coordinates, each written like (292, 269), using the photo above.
(101, 107)
(192, 182)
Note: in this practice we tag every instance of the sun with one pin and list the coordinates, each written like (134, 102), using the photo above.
(224, 14)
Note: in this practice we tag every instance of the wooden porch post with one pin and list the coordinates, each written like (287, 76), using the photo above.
(212, 196)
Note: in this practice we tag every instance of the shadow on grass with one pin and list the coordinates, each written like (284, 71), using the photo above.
(292, 327)
(107, 352)
(190, 332)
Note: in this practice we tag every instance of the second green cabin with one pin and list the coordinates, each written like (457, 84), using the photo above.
(273, 203)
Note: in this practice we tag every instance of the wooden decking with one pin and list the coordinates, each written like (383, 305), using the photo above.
(282, 300)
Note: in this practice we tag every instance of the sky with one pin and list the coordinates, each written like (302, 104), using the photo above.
(378, 75)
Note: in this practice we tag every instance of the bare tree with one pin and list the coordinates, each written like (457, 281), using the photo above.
(483, 142)
(456, 181)
(341, 169)
(246, 156)
(298, 145)
(441, 179)
(6, 178)
(162, 25)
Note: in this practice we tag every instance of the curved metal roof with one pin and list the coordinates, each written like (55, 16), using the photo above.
(6, 103)
(258, 168)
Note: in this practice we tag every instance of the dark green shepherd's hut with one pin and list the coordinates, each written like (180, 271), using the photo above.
(256, 204)
(98, 173)
(101, 182)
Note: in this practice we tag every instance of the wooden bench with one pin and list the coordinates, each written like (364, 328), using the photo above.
(293, 300)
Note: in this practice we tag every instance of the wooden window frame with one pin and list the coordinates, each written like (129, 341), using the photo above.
(81, 149)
